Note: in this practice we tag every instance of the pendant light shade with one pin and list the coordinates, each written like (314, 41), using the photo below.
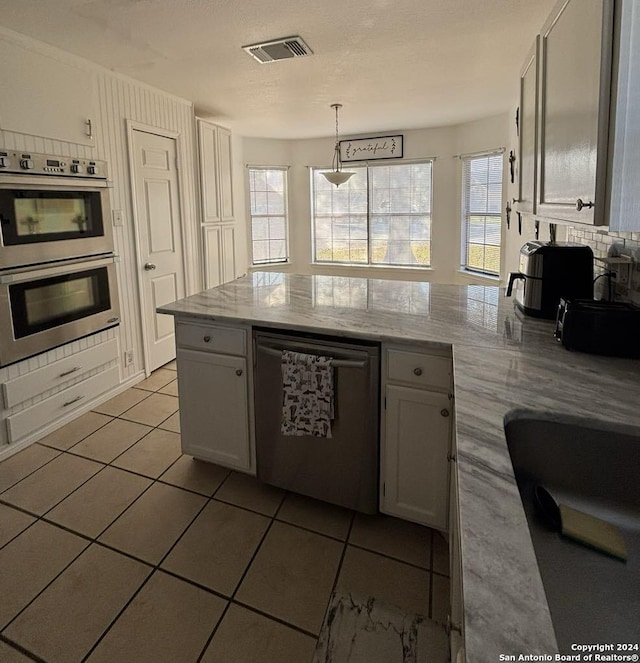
(337, 176)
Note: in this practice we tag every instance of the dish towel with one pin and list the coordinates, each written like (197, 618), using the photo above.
(307, 394)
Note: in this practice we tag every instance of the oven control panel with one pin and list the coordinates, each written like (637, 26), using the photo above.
(47, 164)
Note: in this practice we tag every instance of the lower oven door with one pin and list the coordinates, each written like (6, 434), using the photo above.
(53, 305)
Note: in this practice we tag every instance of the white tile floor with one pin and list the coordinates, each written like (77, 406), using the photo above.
(114, 547)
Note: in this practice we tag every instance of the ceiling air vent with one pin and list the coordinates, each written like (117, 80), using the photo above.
(278, 49)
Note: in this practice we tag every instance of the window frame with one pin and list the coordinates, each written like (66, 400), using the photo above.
(368, 167)
(287, 258)
(465, 215)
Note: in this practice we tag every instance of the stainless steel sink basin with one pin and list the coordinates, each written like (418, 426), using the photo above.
(593, 466)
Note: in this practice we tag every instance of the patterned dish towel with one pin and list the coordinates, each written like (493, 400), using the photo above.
(307, 394)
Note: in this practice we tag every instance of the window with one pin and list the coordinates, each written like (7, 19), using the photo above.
(381, 216)
(482, 213)
(268, 194)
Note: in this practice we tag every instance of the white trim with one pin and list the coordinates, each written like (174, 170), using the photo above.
(482, 153)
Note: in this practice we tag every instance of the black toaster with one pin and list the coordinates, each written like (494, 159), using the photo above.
(598, 327)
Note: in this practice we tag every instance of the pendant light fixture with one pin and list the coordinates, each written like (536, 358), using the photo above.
(337, 176)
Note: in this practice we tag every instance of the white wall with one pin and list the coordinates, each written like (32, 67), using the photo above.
(442, 143)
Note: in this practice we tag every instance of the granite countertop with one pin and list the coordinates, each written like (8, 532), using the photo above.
(502, 360)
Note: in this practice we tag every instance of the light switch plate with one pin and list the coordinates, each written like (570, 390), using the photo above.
(118, 217)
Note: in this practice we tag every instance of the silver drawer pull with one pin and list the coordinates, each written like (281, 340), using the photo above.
(72, 401)
(581, 204)
(206, 339)
(417, 371)
(73, 370)
(239, 372)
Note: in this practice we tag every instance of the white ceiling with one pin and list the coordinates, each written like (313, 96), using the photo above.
(393, 64)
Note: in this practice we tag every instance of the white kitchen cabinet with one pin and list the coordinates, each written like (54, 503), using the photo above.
(214, 390)
(528, 133)
(216, 182)
(415, 436)
(57, 103)
(574, 92)
(219, 254)
(624, 212)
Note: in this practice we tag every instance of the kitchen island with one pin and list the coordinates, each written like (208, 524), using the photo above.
(501, 361)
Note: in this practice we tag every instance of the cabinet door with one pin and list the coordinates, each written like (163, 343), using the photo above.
(528, 133)
(624, 213)
(57, 101)
(214, 408)
(225, 178)
(228, 253)
(414, 462)
(212, 242)
(575, 47)
(208, 153)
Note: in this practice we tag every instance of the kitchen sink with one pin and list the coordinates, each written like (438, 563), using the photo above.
(592, 466)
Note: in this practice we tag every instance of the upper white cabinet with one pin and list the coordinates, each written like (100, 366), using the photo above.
(575, 85)
(216, 191)
(624, 212)
(59, 102)
(528, 133)
(216, 184)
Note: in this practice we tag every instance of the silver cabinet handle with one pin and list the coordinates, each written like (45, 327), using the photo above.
(206, 339)
(72, 401)
(149, 266)
(73, 370)
(580, 204)
(239, 372)
(417, 371)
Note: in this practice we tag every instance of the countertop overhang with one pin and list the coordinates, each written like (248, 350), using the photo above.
(502, 360)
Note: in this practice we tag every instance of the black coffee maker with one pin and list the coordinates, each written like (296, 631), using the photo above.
(549, 271)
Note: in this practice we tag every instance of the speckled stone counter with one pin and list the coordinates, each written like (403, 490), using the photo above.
(502, 360)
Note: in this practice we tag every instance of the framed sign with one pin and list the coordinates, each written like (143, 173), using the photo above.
(368, 149)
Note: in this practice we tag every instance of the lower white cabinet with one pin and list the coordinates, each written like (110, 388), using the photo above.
(214, 408)
(219, 254)
(416, 437)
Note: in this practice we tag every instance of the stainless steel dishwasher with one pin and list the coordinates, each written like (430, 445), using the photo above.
(342, 469)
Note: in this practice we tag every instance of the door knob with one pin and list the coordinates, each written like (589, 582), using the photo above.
(149, 266)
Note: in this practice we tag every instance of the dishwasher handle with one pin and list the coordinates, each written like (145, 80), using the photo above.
(338, 363)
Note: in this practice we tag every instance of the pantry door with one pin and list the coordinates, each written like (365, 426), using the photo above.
(158, 223)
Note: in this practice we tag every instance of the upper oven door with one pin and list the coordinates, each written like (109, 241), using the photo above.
(43, 219)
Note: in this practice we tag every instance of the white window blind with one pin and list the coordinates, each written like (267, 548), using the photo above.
(268, 196)
(482, 213)
(381, 216)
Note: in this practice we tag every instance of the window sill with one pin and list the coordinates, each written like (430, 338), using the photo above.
(477, 277)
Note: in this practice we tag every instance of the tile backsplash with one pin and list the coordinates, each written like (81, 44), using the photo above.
(626, 284)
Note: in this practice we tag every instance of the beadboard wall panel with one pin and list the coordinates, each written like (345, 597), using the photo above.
(121, 99)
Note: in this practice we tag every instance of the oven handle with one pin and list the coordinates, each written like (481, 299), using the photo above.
(338, 363)
(44, 271)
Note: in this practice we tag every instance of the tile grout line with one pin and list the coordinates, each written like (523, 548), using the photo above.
(244, 573)
(23, 650)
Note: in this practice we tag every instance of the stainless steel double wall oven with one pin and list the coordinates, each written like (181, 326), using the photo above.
(57, 262)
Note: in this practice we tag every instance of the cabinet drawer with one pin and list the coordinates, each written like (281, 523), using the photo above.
(57, 373)
(422, 370)
(223, 340)
(64, 402)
